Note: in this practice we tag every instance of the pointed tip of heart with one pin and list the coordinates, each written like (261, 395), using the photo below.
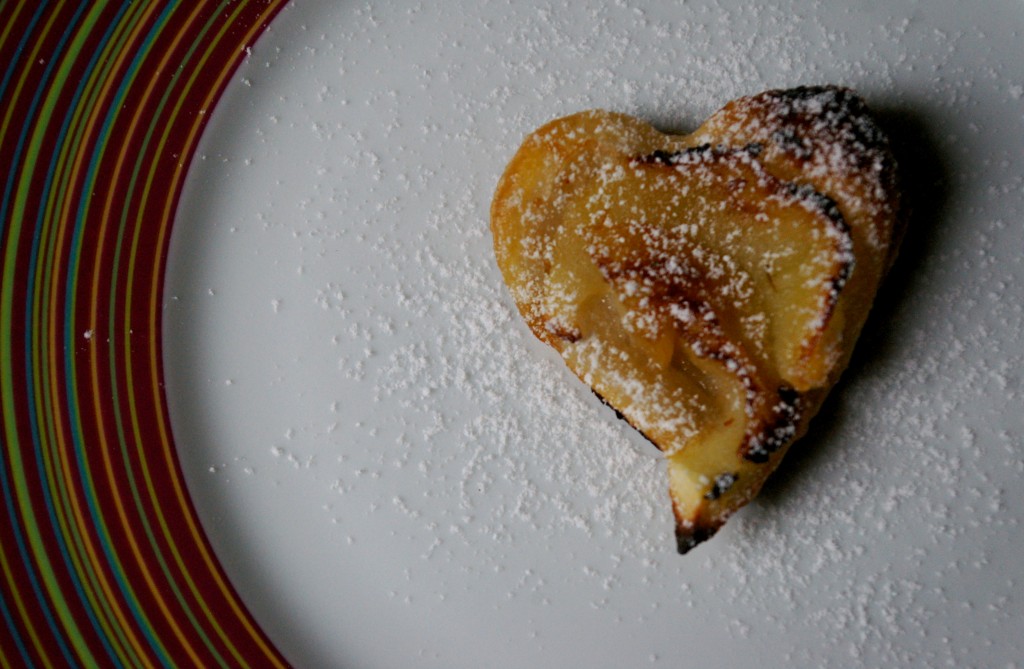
(688, 538)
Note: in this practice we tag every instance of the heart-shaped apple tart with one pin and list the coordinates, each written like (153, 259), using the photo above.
(710, 286)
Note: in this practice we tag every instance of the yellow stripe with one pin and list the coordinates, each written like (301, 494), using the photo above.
(30, 524)
(155, 301)
(108, 604)
(25, 71)
(12, 20)
(107, 216)
(107, 446)
(20, 605)
(71, 53)
(4, 663)
(94, 578)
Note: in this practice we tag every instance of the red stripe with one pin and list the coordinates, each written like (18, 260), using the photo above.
(28, 73)
(97, 255)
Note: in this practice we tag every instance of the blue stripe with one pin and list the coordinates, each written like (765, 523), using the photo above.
(73, 263)
(92, 175)
(32, 279)
(30, 117)
(11, 68)
(4, 484)
(9, 502)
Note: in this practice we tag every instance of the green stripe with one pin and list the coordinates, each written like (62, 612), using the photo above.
(145, 625)
(34, 149)
(158, 119)
(140, 163)
(161, 150)
(83, 527)
(84, 567)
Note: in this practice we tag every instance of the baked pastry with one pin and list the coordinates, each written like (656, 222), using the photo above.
(710, 286)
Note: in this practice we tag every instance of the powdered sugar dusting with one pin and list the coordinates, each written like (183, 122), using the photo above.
(394, 447)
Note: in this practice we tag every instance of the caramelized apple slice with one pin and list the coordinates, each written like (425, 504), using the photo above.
(712, 226)
(699, 290)
(825, 138)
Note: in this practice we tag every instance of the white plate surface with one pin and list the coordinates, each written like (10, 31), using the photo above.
(396, 474)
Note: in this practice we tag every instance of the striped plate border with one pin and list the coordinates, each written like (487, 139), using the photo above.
(102, 559)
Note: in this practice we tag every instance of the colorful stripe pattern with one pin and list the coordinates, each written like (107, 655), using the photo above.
(102, 559)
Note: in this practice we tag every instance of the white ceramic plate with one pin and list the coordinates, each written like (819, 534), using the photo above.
(395, 473)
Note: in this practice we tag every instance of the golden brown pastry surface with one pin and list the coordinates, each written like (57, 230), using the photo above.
(709, 286)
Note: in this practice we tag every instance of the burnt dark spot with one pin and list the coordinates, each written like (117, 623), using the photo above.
(662, 157)
(835, 109)
(789, 395)
(822, 202)
(778, 432)
(618, 414)
(570, 335)
(754, 149)
(687, 538)
(792, 143)
(622, 417)
(757, 453)
(722, 483)
(805, 93)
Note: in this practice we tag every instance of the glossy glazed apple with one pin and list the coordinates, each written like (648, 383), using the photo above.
(710, 286)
